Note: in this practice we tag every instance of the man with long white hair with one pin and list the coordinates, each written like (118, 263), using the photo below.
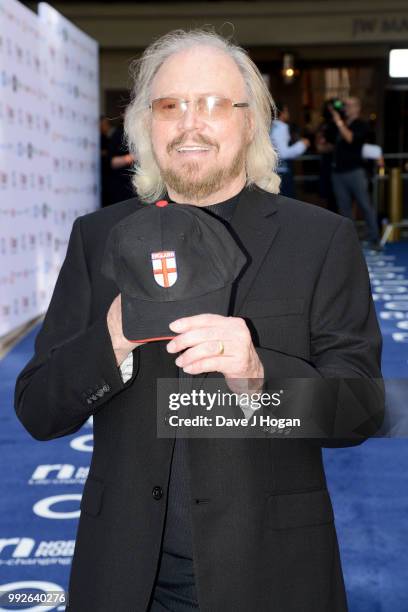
(216, 525)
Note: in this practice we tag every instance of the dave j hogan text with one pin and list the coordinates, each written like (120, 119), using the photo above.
(257, 420)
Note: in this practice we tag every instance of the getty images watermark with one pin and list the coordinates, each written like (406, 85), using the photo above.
(249, 403)
(218, 412)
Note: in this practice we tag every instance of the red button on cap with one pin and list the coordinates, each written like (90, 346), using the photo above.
(161, 203)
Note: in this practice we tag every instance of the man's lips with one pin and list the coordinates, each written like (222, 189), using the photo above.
(192, 149)
(196, 146)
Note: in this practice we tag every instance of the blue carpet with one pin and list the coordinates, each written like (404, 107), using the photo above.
(369, 484)
(32, 546)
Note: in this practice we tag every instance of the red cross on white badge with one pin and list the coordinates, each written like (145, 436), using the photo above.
(164, 268)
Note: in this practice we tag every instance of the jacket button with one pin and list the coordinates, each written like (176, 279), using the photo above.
(157, 493)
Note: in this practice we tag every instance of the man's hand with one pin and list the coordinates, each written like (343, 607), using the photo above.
(336, 116)
(121, 345)
(122, 161)
(213, 343)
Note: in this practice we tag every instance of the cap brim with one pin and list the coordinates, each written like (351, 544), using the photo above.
(145, 321)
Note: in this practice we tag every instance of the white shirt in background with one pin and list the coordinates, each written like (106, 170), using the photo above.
(280, 138)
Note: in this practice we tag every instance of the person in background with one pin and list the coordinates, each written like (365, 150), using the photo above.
(280, 137)
(106, 132)
(325, 139)
(349, 177)
(120, 170)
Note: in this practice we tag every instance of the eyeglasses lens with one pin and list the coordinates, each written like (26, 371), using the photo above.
(208, 107)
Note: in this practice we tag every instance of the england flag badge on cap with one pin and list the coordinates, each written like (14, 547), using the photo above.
(164, 268)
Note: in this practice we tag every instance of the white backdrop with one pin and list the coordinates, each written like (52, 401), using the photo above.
(49, 151)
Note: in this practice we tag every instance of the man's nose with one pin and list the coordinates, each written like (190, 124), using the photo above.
(191, 118)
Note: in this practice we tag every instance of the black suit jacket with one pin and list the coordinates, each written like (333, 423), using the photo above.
(263, 528)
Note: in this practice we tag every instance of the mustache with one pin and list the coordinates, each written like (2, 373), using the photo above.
(198, 139)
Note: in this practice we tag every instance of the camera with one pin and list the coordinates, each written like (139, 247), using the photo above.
(338, 106)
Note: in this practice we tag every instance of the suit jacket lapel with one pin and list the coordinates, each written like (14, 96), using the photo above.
(254, 226)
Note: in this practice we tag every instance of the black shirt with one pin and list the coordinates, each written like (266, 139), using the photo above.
(347, 156)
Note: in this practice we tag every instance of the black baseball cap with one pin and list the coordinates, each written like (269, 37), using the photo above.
(170, 261)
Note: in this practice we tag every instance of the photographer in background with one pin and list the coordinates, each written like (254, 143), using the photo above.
(349, 178)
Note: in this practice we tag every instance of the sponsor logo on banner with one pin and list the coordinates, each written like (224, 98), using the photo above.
(49, 507)
(390, 287)
(27, 551)
(400, 337)
(59, 474)
(83, 443)
(390, 316)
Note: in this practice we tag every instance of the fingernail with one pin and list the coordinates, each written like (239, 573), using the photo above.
(170, 347)
(176, 325)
